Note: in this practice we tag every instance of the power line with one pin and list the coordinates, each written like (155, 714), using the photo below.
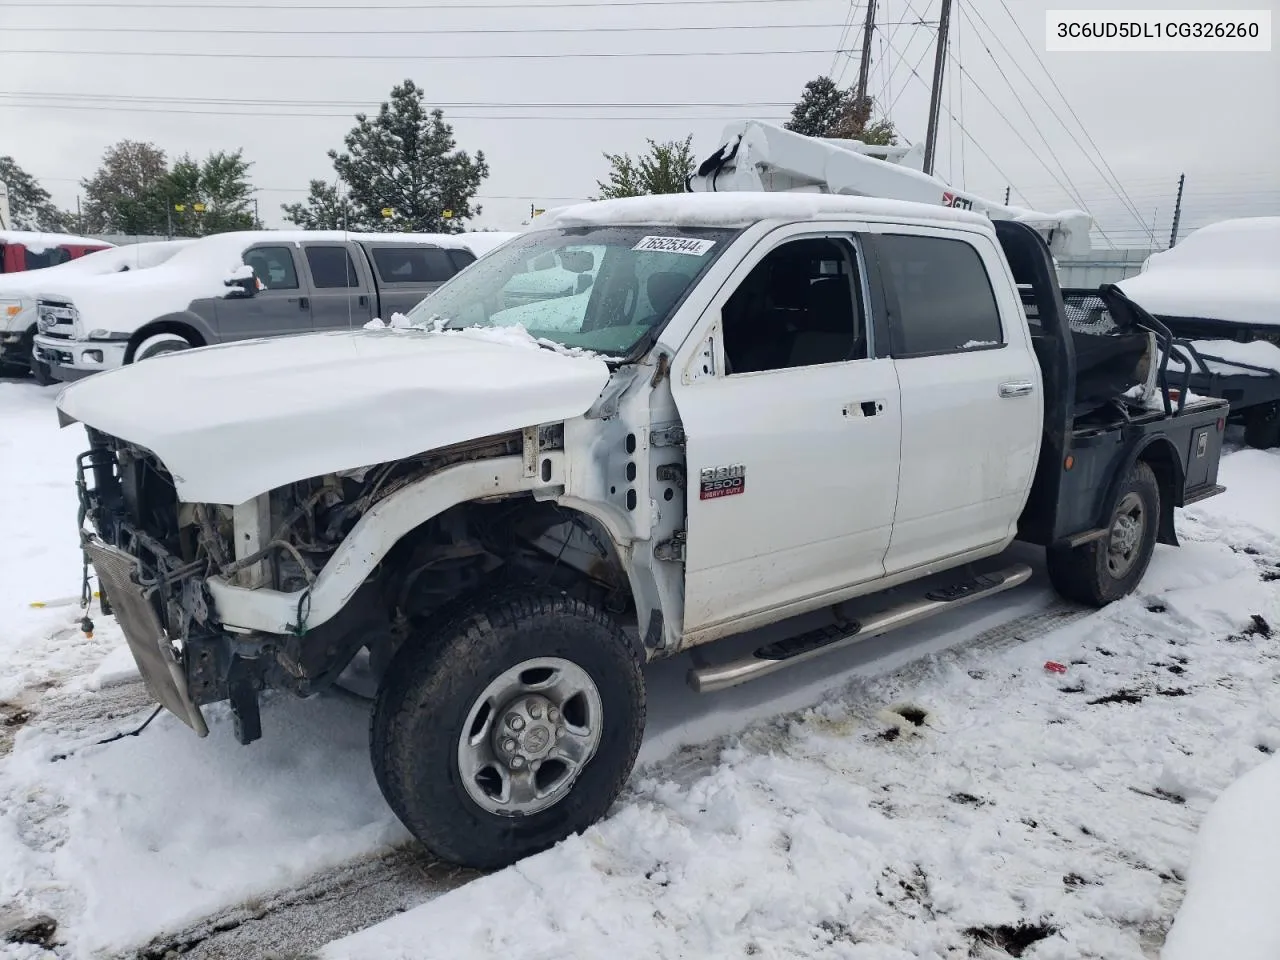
(413, 7)
(464, 104)
(317, 115)
(1063, 96)
(448, 31)
(205, 54)
(1118, 187)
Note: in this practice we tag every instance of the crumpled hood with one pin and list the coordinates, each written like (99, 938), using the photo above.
(236, 420)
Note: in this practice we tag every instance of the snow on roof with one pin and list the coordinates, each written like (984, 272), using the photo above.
(1226, 271)
(245, 238)
(38, 242)
(136, 256)
(740, 209)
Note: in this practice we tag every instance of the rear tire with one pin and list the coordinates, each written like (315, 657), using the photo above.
(1262, 427)
(159, 343)
(1105, 570)
(510, 727)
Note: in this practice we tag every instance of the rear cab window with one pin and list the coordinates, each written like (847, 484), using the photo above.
(413, 264)
(940, 299)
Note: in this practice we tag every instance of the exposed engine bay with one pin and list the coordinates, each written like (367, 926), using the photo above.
(130, 500)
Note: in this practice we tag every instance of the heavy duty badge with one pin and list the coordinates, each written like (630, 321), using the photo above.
(722, 481)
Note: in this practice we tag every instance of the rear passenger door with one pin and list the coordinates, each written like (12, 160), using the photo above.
(972, 404)
(281, 305)
(408, 272)
(341, 295)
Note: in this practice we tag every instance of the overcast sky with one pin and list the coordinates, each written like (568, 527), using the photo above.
(1215, 117)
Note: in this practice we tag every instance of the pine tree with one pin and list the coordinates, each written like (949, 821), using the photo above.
(824, 110)
(404, 160)
(324, 209)
(663, 169)
(29, 203)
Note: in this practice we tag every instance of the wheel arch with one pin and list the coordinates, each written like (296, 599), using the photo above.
(185, 325)
(1159, 453)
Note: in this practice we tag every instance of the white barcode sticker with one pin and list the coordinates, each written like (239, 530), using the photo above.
(694, 248)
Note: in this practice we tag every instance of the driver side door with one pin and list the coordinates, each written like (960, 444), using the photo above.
(792, 436)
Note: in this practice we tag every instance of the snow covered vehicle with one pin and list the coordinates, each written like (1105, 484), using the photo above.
(1219, 290)
(233, 286)
(19, 293)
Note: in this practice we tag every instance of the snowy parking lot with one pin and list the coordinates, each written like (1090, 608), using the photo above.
(1022, 778)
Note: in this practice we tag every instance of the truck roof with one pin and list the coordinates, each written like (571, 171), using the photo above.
(244, 237)
(740, 209)
(37, 241)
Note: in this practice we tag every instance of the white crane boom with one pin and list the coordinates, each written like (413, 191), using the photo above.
(758, 156)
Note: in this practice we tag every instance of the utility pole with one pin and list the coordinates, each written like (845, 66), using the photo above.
(1177, 211)
(1006, 196)
(935, 96)
(257, 222)
(864, 69)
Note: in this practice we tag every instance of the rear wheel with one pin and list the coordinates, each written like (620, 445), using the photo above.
(1109, 568)
(159, 343)
(510, 728)
(1262, 427)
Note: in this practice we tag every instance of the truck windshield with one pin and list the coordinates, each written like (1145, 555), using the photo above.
(598, 288)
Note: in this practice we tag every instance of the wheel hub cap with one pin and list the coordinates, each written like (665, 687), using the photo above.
(528, 736)
(1127, 531)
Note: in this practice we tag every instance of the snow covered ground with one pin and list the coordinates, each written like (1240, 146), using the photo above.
(1002, 810)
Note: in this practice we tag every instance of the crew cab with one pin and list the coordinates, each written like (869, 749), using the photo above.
(760, 406)
(236, 286)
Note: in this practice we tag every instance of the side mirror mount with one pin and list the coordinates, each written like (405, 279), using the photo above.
(242, 287)
(577, 261)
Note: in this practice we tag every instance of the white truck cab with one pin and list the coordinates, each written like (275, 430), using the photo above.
(760, 405)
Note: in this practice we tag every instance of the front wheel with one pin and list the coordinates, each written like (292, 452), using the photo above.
(160, 343)
(513, 726)
(1109, 568)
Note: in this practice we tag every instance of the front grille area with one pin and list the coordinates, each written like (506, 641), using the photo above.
(56, 318)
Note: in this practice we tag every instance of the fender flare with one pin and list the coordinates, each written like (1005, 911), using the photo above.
(1159, 453)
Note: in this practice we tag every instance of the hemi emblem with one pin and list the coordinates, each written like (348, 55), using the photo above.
(722, 481)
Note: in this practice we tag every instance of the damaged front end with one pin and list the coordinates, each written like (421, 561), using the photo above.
(156, 558)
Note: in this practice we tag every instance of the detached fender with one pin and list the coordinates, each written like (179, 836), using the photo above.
(1161, 455)
(277, 612)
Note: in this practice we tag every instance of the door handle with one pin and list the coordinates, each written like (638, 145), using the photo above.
(303, 303)
(364, 301)
(1017, 388)
(863, 408)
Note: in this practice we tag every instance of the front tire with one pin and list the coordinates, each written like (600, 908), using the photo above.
(1105, 570)
(159, 343)
(509, 728)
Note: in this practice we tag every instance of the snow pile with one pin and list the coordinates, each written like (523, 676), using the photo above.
(1234, 887)
(1225, 271)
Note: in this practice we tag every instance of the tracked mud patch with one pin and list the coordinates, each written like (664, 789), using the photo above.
(294, 923)
(1013, 940)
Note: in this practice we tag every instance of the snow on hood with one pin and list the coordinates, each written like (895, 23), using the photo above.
(236, 420)
(38, 242)
(135, 256)
(1228, 271)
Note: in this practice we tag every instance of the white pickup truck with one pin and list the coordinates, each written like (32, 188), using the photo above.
(762, 405)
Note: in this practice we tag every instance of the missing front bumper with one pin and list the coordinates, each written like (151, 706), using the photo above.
(163, 674)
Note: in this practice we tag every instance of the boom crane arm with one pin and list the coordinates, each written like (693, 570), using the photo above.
(758, 156)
